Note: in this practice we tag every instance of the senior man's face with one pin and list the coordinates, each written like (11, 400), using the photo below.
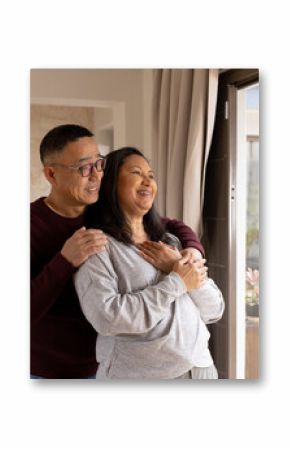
(136, 186)
(70, 185)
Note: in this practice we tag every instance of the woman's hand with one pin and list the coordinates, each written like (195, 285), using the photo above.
(193, 253)
(193, 274)
(160, 255)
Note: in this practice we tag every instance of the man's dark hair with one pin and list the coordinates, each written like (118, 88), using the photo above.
(106, 213)
(57, 138)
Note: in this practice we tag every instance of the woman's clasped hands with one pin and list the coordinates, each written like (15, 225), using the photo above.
(188, 263)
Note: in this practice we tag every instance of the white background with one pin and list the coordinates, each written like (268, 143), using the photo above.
(72, 34)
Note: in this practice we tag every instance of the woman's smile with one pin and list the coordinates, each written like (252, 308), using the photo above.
(136, 186)
(145, 192)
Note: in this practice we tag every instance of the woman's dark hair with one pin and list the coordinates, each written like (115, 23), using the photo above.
(106, 213)
(57, 138)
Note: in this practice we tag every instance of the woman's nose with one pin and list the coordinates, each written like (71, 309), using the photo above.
(146, 180)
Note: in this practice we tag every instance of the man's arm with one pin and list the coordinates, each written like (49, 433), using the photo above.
(185, 234)
(47, 285)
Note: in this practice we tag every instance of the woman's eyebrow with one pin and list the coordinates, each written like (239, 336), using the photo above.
(140, 168)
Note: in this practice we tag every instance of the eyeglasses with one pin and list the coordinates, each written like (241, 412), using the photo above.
(86, 169)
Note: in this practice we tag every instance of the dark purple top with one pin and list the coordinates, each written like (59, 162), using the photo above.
(62, 340)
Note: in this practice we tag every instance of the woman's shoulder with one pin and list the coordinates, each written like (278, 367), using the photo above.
(113, 242)
(115, 248)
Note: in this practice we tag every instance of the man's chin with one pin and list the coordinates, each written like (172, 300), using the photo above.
(91, 199)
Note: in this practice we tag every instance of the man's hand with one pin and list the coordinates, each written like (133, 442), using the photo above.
(160, 255)
(193, 274)
(83, 244)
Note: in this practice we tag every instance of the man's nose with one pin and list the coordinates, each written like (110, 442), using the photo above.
(96, 173)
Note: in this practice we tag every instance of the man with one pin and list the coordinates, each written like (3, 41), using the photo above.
(62, 340)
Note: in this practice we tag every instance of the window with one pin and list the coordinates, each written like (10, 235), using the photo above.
(247, 241)
(231, 219)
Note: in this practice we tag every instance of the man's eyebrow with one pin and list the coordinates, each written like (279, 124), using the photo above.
(83, 159)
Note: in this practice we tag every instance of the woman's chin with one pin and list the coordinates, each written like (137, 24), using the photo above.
(141, 211)
(139, 208)
(146, 207)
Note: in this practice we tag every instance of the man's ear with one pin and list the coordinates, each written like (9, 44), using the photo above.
(49, 173)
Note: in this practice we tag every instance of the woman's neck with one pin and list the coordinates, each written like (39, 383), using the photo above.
(137, 227)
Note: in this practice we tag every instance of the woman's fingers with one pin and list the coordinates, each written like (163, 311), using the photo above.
(152, 246)
(185, 259)
(152, 249)
(147, 258)
(158, 254)
(151, 252)
(200, 263)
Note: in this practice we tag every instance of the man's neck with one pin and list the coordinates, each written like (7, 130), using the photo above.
(62, 209)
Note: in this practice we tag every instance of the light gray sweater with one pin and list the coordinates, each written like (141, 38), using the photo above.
(149, 326)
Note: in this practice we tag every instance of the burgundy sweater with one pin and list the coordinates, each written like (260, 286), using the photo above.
(62, 340)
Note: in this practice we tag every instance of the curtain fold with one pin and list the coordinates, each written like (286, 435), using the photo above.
(184, 105)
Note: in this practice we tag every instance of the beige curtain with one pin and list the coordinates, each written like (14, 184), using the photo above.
(184, 104)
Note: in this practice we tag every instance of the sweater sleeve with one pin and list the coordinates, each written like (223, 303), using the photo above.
(185, 234)
(49, 270)
(48, 285)
(209, 301)
(112, 312)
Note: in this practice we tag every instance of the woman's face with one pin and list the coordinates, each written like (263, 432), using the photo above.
(136, 186)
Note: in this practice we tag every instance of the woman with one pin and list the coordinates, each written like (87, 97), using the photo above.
(151, 324)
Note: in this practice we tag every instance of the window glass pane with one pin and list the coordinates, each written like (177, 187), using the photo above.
(252, 238)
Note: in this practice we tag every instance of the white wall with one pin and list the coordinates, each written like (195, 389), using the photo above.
(114, 103)
(107, 86)
(43, 118)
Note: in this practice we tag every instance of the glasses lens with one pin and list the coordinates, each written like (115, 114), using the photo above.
(100, 164)
(86, 170)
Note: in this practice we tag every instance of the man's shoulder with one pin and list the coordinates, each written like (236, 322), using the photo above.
(39, 222)
(37, 209)
(37, 204)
